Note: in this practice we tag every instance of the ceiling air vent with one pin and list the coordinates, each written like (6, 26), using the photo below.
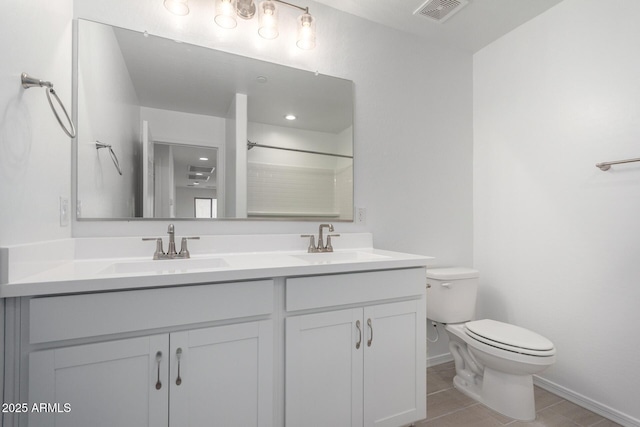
(194, 177)
(201, 169)
(440, 10)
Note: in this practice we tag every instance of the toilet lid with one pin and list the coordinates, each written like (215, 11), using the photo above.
(509, 337)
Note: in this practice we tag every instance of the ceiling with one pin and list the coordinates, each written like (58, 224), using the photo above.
(473, 27)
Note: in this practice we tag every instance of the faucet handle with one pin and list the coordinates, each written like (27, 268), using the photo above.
(159, 249)
(184, 251)
(312, 243)
(329, 248)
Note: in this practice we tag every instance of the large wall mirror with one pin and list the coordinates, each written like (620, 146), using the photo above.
(172, 130)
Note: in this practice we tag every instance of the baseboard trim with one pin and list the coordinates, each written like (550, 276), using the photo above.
(600, 409)
(439, 359)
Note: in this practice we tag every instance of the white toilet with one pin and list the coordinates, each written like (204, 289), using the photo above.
(494, 361)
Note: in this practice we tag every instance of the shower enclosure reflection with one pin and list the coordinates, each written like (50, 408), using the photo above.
(157, 102)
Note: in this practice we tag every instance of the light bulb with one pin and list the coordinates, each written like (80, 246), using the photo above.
(306, 32)
(268, 17)
(226, 13)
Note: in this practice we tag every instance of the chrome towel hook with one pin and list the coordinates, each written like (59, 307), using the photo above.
(28, 82)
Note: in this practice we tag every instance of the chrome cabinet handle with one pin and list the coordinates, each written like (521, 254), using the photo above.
(158, 360)
(178, 355)
(359, 335)
(370, 340)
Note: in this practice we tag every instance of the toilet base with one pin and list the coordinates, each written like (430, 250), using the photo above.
(507, 394)
(511, 395)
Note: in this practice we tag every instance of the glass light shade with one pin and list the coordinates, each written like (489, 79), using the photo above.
(306, 32)
(245, 8)
(268, 18)
(226, 13)
(177, 7)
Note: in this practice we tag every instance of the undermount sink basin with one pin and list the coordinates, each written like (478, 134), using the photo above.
(339, 257)
(165, 266)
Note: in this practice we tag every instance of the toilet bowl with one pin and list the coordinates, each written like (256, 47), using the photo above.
(495, 361)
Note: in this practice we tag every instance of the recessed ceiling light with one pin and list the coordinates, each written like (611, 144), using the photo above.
(261, 79)
(199, 173)
(204, 159)
(290, 117)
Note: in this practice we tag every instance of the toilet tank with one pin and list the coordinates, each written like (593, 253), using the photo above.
(451, 294)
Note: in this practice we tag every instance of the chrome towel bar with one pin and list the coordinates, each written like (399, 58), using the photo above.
(605, 166)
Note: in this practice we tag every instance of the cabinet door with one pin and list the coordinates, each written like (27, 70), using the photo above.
(324, 369)
(107, 384)
(395, 364)
(222, 376)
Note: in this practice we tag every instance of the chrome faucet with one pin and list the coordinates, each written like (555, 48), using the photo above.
(321, 246)
(171, 252)
(171, 231)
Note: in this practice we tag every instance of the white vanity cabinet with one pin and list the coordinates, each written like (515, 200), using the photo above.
(271, 340)
(360, 366)
(191, 375)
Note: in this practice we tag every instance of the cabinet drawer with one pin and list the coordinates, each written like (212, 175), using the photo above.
(325, 291)
(80, 316)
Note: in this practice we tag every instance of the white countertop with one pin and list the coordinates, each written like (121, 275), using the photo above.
(84, 265)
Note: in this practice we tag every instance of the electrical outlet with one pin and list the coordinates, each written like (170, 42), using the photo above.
(361, 215)
(64, 211)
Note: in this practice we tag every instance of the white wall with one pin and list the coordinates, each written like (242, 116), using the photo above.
(35, 154)
(184, 128)
(555, 239)
(109, 112)
(230, 172)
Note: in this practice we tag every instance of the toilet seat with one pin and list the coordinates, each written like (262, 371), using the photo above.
(509, 337)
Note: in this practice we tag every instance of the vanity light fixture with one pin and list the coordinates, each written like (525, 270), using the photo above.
(177, 7)
(227, 10)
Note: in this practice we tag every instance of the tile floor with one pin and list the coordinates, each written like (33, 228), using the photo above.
(447, 407)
